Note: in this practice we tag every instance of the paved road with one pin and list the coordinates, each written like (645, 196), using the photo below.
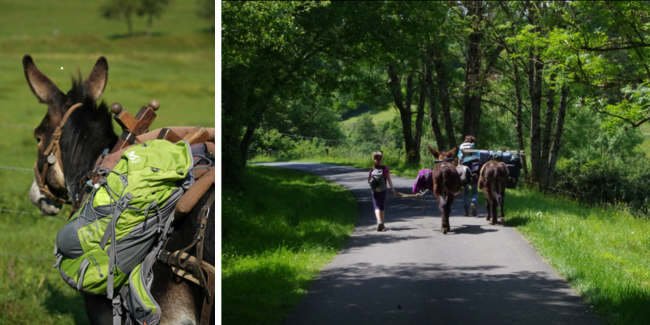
(413, 274)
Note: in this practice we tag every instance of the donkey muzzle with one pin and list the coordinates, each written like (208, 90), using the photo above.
(47, 207)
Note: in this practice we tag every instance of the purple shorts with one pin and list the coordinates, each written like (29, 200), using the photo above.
(379, 200)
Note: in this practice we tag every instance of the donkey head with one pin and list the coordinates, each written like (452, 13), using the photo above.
(443, 154)
(58, 103)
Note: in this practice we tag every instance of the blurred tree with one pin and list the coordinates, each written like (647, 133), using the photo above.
(151, 9)
(364, 130)
(119, 9)
(206, 10)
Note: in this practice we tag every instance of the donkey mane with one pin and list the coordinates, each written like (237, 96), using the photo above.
(88, 131)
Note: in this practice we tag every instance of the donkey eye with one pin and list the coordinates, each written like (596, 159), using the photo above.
(38, 140)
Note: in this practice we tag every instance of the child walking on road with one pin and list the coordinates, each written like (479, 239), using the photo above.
(378, 176)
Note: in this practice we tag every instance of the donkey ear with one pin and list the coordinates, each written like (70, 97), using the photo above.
(433, 152)
(44, 89)
(452, 151)
(96, 82)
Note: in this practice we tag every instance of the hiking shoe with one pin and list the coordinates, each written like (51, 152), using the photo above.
(473, 207)
(466, 214)
(380, 227)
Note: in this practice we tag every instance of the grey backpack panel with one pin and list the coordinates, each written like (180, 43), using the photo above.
(133, 247)
(67, 239)
(378, 180)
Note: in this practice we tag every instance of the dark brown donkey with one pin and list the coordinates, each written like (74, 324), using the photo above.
(492, 182)
(87, 131)
(446, 183)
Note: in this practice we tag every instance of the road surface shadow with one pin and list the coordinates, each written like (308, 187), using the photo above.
(438, 294)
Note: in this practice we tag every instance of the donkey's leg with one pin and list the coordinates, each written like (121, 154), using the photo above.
(494, 207)
(441, 207)
(488, 205)
(501, 197)
(448, 202)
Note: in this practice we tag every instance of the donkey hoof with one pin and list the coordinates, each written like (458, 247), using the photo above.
(487, 218)
(445, 231)
(502, 219)
(493, 223)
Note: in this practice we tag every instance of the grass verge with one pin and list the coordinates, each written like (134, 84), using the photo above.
(602, 252)
(277, 236)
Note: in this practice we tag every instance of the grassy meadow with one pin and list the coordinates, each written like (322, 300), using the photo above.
(277, 236)
(377, 117)
(176, 66)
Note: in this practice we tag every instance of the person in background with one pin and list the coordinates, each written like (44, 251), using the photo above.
(378, 187)
(469, 143)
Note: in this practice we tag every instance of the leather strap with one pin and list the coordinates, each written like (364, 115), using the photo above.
(206, 310)
(193, 268)
(54, 149)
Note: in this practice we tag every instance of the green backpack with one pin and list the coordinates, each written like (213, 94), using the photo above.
(112, 241)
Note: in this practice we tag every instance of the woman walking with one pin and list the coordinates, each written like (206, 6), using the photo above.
(378, 176)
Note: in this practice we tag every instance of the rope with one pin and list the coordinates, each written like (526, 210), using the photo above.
(17, 126)
(21, 212)
(18, 168)
(30, 213)
(27, 257)
(559, 190)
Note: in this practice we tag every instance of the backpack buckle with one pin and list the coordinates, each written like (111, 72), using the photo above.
(124, 201)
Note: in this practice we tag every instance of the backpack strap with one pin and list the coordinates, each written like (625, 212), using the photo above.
(110, 232)
(117, 310)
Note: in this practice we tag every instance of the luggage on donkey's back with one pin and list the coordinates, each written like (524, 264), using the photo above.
(465, 175)
(103, 246)
(513, 176)
(424, 181)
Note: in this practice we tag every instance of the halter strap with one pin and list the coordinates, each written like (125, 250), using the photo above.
(444, 160)
(53, 149)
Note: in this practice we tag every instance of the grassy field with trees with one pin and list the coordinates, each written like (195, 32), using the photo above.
(565, 81)
(175, 65)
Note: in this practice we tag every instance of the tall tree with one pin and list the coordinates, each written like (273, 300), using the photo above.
(269, 49)
(205, 9)
(480, 58)
(151, 9)
(120, 9)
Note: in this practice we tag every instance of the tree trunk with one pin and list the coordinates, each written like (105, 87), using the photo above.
(471, 100)
(149, 25)
(535, 91)
(548, 128)
(557, 135)
(419, 117)
(445, 103)
(404, 108)
(520, 118)
(433, 112)
(471, 96)
(129, 24)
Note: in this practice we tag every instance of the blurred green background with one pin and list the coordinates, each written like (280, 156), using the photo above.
(176, 66)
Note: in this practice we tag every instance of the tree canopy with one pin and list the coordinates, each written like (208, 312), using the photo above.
(532, 75)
